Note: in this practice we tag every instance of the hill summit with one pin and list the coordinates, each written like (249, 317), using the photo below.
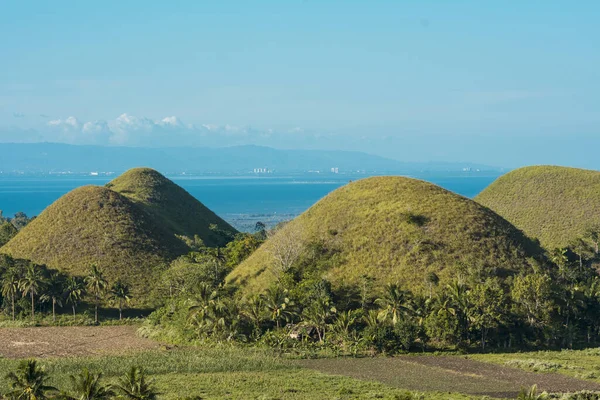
(553, 204)
(131, 229)
(171, 206)
(390, 229)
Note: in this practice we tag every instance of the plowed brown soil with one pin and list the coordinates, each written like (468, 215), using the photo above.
(70, 341)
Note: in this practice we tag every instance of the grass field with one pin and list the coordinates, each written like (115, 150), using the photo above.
(582, 364)
(223, 373)
(227, 372)
(448, 373)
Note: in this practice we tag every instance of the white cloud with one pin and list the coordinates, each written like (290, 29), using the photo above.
(131, 130)
(171, 121)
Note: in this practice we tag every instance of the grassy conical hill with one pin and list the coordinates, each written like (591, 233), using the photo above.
(553, 204)
(174, 208)
(392, 229)
(95, 225)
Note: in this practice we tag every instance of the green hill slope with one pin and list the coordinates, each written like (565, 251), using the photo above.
(130, 229)
(391, 229)
(552, 204)
(172, 207)
(96, 225)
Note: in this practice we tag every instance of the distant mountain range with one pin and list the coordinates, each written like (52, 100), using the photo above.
(53, 157)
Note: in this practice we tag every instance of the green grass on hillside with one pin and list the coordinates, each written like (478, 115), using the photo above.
(174, 209)
(395, 229)
(552, 204)
(94, 225)
(129, 229)
(223, 373)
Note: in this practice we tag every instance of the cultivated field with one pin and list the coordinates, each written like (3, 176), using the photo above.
(70, 341)
(448, 373)
(232, 373)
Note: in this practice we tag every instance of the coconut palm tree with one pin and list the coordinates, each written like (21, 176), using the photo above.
(204, 309)
(345, 320)
(28, 382)
(254, 311)
(88, 386)
(202, 303)
(55, 291)
(395, 303)
(10, 286)
(31, 284)
(217, 258)
(74, 291)
(134, 386)
(560, 257)
(229, 318)
(278, 304)
(593, 234)
(459, 304)
(371, 320)
(96, 284)
(318, 314)
(120, 293)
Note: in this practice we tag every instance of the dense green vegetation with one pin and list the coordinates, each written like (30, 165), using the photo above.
(131, 232)
(556, 205)
(390, 230)
(553, 305)
(320, 291)
(9, 227)
(27, 289)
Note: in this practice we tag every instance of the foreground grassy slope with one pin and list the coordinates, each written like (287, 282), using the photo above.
(170, 205)
(395, 229)
(96, 225)
(552, 204)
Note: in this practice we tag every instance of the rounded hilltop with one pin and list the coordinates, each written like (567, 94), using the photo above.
(553, 204)
(171, 205)
(390, 229)
(131, 229)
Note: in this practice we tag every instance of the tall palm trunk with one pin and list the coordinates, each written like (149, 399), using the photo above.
(53, 309)
(13, 306)
(73, 305)
(32, 307)
(96, 311)
(120, 309)
(482, 339)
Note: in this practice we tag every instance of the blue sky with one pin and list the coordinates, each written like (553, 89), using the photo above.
(507, 83)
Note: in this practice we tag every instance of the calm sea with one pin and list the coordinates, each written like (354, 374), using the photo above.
(242, 201)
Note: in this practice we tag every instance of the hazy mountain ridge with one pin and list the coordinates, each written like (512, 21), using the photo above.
(54, 157)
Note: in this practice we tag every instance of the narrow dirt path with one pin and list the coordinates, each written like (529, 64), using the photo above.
(70, 341)
(448, 374)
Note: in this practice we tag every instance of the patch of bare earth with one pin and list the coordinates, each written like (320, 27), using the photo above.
(448, 374)
(70, 341)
